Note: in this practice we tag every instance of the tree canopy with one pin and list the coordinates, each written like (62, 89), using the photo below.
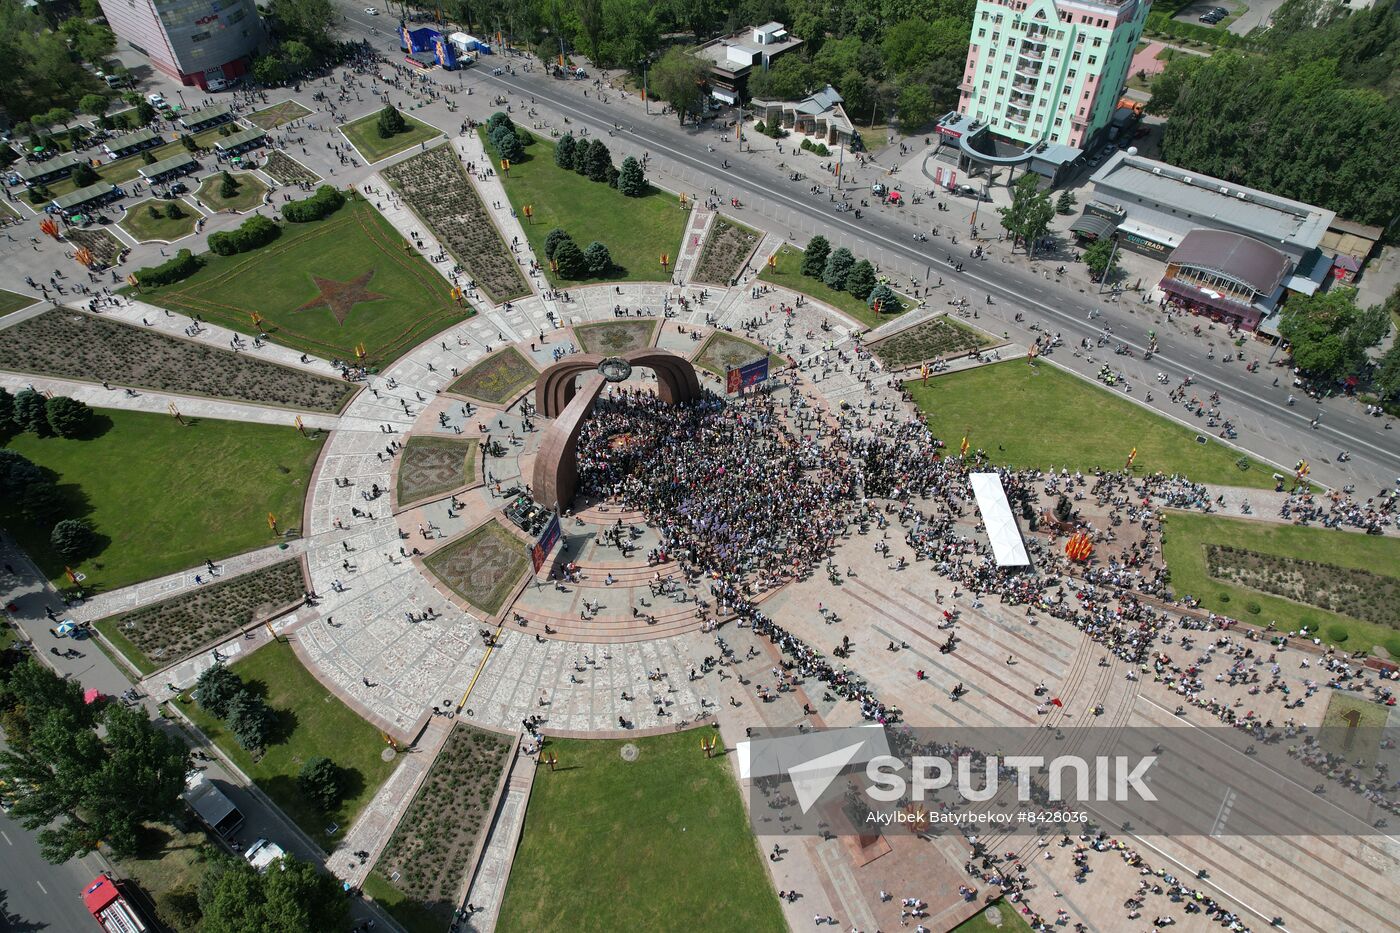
(1329, 334)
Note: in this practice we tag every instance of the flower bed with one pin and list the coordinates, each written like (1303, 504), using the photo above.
(615, 336)
(496, 379)
(929, 340)
(436, 187)
(433, 847)
(288, 171)
(106, 249)
(1351, 591)
(434, 466)
(483, 567)
(74, 345)
(723, 352)
(165, 632)
(727, 246)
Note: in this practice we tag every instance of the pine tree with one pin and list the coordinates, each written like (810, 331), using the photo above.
(838, 266)
(860, 281)
(814, 259)
(630, 180)
(599, 161)
(564, 152)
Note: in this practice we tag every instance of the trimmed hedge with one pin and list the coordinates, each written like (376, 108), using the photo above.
(183, 265)
(254, 232)
(326, 201)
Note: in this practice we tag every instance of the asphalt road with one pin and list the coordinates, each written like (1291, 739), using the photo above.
(35, 895)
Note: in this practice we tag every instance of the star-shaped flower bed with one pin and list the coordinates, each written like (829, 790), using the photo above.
(340, 297)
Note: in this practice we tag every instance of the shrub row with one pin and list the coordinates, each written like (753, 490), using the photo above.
(180, 266)
(326, 201)
(256, 231)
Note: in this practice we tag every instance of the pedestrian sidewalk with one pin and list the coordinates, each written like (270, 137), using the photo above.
(488, 887)
(697, 227)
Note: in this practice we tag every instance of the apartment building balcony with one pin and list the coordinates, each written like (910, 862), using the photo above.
(1032, 54)
(1024, 87)
(1028, 69)
(1039, 38)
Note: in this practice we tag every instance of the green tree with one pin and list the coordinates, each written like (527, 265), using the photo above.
(1329, 334)
(250, 720)
(18, 473)
(67, 416)
(915, 106)
(145, 113)
(269, 71)
(7, 414)
(236, 899)
(1097, 255)
(96, 787)
(581, 156)
(791, 78)
(599, 161)
(31, 412)
(860, 281)
(1065, 203)
(1387, 377)
(74, 538)
(1028, 217)
(390, 122)
(597, 258)
(41, 503)
(95, 104)
(838, 266)
(91, 41)
(552, 239)
(572, 264)
(322, 780)
(309, 21)
(678, 78)
(216, 689)
(815, 255)
(630, 180)
(173, 211)
(298, 56)
(564, 152)
(84, 175)
(884, 298)
(507, 143)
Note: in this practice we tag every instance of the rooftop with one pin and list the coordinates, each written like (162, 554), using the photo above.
(716, 51)
(83, 195)
(241, 138)
(128, 140)
(1268, 217)
(1243, 258)
(167, 165)
(207, 114)
(57, 163)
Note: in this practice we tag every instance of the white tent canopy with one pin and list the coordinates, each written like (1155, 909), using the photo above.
(1007, 546)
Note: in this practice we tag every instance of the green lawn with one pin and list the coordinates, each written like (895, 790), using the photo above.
(165, 496)
(12, 301)
(659, 843)
(787, 273)
(324, 288)
(636, 231)
(1044, 416)
(1011, 921)
(364, 133)
(140, 224)
(1187, 534)
(310, 722)
(248, 196)
(168, 865)
(126, 169)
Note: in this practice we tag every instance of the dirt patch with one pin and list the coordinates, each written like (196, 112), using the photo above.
(726, 247)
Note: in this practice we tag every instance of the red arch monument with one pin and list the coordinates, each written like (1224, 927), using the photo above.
(559, 395)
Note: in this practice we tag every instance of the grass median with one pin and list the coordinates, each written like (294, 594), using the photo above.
(786, 272)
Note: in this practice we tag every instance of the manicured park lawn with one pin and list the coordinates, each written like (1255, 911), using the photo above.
(310, 721)
(659, 843)
(636, 231)
(787, 274)
(411, 915)
(324, 287)
(1011, 921)
(364, 133)
(166, 496)
(12, 301)
(248, 196)
(138, 221)
(1188, 533)
(1044, 416)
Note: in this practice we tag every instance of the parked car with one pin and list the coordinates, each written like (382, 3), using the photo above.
(263, 853)
(371, 11)
(157, 101)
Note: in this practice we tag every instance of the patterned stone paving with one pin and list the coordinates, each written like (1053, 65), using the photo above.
(496, 379)
(430, 467)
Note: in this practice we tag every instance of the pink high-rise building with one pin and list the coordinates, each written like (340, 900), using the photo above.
(194, 41)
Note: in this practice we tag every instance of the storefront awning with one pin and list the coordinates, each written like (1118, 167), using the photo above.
(1094, 226)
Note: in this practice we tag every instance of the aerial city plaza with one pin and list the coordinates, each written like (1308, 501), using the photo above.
(733, 467)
